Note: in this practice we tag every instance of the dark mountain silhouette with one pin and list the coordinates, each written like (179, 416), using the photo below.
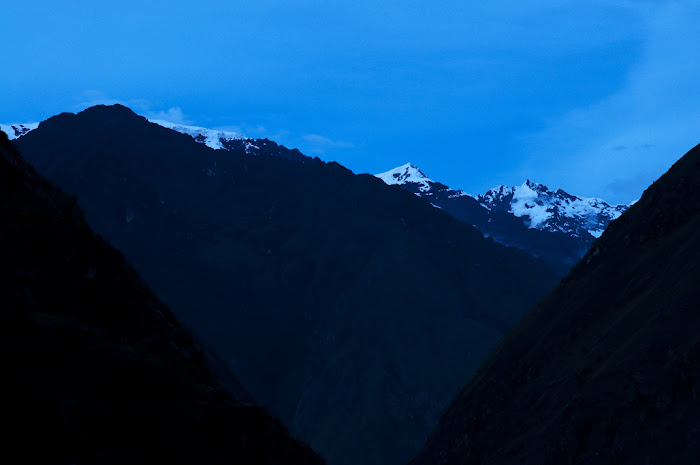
(96, 370)
(606, 370)
(352, 310)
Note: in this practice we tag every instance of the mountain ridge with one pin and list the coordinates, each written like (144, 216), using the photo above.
(553, 225)
(605, 369)
(313, 284)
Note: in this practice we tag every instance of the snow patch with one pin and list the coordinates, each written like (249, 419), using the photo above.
(494, 196)
(211, 137)
(553, 211)
(16, 130)
(249, 145)
(408, 173)
(458, 194)
(525, 203)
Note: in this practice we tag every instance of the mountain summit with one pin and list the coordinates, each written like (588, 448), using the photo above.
(552, 225)
(555, 211)
(353, 310)
(408, 173)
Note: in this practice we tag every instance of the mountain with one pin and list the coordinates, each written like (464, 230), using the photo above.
(13, 131)
(555, 226)
(352, 310)
(96, 370)
(606, 370)
(216, 139)
(553, 211)
(235, 142)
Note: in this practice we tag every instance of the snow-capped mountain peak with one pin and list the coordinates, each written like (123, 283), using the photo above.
(552, 211)
(566, 224)
(210, 137)
(14, 131)
(408, 173)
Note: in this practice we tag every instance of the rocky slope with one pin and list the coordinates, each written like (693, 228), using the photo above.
(606, 370)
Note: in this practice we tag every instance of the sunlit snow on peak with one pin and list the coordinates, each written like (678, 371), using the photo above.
(211, 137)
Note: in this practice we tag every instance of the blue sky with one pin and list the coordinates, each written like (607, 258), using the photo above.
(597, 98)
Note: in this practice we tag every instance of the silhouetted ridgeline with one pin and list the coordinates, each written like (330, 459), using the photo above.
(352, 310)
(606, 370)
(95, 369)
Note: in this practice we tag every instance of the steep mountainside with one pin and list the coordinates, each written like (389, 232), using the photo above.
(96, 369)
(606, 370)
(555, 226)
(354, 311)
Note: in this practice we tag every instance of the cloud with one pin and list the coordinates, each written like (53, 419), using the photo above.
(316, 143)
(90, 98)
(253, 131)
(173, 114)
(617, 146)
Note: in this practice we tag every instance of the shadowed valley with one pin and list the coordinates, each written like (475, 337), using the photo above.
(607, 368)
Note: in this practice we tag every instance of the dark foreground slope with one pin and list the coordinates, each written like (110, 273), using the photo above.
(352, 310)
(95, 369)
(607, 369)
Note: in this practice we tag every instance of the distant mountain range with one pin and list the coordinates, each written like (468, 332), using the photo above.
(553, 225)
(606, 369)
(352, 310)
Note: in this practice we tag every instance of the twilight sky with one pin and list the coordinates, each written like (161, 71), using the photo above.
(598, 98)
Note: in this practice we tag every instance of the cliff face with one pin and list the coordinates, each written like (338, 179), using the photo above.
(607, 368)
(95, 369)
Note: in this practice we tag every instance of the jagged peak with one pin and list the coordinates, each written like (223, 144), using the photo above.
(408, 173)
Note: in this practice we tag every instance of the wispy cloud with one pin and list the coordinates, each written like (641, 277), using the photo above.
(90, 98)
(174, 115)
(143, 107)
(619, 145)
(319, 144)
(253, 131)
